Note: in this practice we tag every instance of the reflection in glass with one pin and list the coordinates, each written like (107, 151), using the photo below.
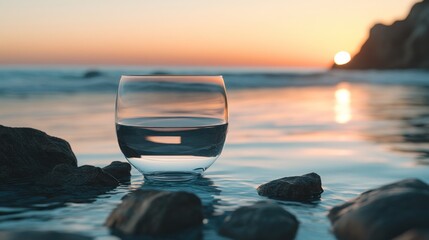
(171, 127)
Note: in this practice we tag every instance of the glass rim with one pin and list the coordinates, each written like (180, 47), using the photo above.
(169, 75)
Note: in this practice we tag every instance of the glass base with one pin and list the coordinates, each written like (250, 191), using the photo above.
(171, 176)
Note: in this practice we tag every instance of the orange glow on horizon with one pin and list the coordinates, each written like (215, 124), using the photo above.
(191, 32)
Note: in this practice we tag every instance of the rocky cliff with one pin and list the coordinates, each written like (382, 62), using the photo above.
(404, 44)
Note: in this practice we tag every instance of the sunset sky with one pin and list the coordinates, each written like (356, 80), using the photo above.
(277, 33)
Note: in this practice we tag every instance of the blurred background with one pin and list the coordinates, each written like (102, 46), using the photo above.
(188, 33)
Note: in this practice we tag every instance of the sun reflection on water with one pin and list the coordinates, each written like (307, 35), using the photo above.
(343, 111)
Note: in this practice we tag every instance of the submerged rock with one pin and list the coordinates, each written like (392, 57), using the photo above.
(27, 153)
(404, 44)
(297, 188)
(383, 213)
(153, 212)
(119, 170)
(64, 175)
(263, 220)
(40, 235)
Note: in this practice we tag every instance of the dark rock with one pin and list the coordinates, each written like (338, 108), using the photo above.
(40, 172)
(40, 235)
(404, 44)
(92, 74)
(26, 153)
(119, 170)
(263, 220)
(31, 197)
(153, 212)
(64, 175)
(383, 213)
(415, 234)
(63, 185)
(297, 188)
(203, 187)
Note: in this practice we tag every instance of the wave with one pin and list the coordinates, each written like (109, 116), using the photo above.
(45, 81)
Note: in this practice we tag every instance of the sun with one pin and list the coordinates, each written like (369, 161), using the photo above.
(342, 57)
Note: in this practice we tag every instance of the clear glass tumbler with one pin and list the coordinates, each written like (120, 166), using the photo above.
(171, 128)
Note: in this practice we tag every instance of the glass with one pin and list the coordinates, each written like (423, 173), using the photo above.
(171, 127)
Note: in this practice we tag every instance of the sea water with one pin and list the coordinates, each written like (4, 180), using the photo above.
(277, 132)
(171, 147)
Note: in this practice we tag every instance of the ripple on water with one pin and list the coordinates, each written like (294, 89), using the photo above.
(273, 133)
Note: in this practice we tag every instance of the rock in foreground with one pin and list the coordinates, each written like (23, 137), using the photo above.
(153, 212)
(383, 213)
(40, 235)
(62, 185)
(38, 169)
(263, 220)
(297, 188)
(88, 176)
(119, 170)
(27, 153)
(404, 44)
(31, 156)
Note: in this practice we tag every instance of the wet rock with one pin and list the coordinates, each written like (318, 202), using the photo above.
(92, 74)
(119, 170)
(26, 153)
(31, 197)
(153, 212)
(263, 220)
(39, 171)
(404, 44)
(383, 213)
(64, 175)
(415, 234)
(40, 235)
(63, 185)
(203, 187)
(297, 188)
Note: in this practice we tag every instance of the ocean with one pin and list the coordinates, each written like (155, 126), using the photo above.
(356, 129)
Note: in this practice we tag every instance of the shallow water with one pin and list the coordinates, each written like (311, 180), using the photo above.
(355, 135)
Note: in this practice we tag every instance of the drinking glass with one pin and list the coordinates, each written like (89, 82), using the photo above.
(171, 128)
